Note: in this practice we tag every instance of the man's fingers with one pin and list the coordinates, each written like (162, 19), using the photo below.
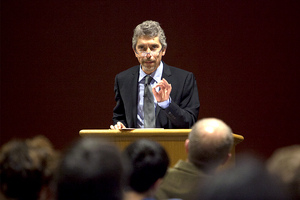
(118, 125)
(112, 127)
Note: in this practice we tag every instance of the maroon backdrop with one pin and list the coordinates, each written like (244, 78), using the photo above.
(59, 60)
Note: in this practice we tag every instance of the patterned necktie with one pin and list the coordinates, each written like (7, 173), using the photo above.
(149, 113)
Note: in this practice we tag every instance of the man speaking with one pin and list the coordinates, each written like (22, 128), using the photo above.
(154, 94)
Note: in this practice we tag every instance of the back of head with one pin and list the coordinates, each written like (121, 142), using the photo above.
(151, 29)
(26, 166)
(90, 169)
(210, 141)
(248, 180)
(149, 162)
(285, 164)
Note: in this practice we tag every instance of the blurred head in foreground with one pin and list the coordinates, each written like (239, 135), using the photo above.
(285, 164)
(248, 180)
(149, 162)
(209, 144)
(27, 167)
(90, 169)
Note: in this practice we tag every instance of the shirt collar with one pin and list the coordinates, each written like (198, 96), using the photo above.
(156, 75)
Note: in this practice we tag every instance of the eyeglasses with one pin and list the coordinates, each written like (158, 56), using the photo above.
(151, 53)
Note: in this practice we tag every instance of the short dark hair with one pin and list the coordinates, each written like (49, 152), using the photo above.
(149, 162)
(90, 169)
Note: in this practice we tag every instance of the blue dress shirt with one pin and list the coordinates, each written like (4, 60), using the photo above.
(156, 75)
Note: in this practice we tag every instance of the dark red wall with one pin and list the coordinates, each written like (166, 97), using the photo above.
(59, 60)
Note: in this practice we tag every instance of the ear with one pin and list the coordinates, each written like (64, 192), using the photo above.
(226, 158)
(158, 183)
(164, 51)
(186, 145)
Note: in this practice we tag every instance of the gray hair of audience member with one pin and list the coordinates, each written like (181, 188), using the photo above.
(149, 162)
(285, 165)
(151, 29)
(26, 166)
(90, 169)
(210, 141)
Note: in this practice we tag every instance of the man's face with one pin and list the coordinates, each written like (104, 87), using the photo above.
(149, 62)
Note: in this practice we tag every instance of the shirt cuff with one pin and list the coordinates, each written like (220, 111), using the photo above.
(164, 104)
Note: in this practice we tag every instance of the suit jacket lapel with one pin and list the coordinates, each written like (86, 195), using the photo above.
(133, 94)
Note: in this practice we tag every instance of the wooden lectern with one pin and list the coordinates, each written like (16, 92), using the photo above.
(171, 139)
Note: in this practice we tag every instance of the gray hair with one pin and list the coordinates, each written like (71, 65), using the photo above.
(149, 28)
(209, 142)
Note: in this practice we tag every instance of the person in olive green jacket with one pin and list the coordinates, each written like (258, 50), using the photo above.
(208, 146)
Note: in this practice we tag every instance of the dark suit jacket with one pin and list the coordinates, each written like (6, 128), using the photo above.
(181, 113)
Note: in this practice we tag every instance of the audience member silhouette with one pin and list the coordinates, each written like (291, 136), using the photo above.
(285, 165)
(90, 169)
(208, 146)
(27, 167)
(149, 162)
(248, 180)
